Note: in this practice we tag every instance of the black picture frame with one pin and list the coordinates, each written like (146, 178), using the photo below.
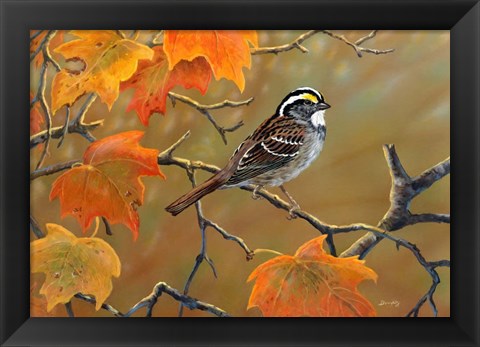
(19, 16)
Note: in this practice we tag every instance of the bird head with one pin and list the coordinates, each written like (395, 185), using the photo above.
(306, 105)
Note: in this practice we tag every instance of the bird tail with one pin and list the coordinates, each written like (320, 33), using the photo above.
(198, 192)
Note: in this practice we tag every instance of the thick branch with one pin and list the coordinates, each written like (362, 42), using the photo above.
(204, 110)
(402, 192)
(162, 287)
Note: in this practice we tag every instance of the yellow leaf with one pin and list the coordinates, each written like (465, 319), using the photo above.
(106, 59)
(73, 265)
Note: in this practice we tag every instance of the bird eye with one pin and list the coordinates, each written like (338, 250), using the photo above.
(308, 102)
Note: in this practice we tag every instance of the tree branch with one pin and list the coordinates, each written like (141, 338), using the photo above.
(149, 301)
(76, 125)
(203, 249)
(297, 44)
(49, 170)
(356, 45)
(162, 287)
(396, 217)
(402, 192)
(106, 307)
(204, 110)
(428, 266)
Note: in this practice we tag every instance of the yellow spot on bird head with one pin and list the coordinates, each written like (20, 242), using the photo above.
(311, 97)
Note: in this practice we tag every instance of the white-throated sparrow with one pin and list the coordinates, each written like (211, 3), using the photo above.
(278, 150)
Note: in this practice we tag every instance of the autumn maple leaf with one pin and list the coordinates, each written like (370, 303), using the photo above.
(153, 80)
(311, 283)
(227, 51)
(107, 59)
(108, 183)
(73, 265)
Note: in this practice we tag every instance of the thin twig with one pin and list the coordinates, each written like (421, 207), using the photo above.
(36, 228)
(108, 228)
(204, 110)
(49, 170)
(69, 309)
(121, 34)
(104, 306)
(76, 125)
(46, 112)
(249, 253)
(35, 35)
(356, 45)
(202, 255)
(428, 266)
(65, 127)
(40, 95)
(162, 287)
(157, 39)
(297, 44)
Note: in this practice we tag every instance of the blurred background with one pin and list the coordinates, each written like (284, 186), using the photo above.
(400, 98)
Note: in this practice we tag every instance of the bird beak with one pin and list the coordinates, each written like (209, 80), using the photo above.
(323, 106)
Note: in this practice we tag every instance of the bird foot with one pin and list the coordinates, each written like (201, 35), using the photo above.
(255, 195)
(292, 212)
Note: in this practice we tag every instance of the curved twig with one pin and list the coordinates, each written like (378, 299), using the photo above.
(297, 44)
(204, 110)
(162, 287)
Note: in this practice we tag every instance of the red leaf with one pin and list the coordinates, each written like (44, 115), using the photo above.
(153, 80)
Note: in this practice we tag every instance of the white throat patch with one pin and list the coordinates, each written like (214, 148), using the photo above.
(318, 118)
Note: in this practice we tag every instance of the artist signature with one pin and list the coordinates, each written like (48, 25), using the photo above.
(394, 303)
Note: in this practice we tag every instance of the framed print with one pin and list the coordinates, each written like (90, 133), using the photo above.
(179, 167)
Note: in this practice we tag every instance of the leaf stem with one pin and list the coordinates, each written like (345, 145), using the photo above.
(97, 223)
(266, 250)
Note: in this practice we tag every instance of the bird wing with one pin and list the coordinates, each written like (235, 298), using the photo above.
(268, 150)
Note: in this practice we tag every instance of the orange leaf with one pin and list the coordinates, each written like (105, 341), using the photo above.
(35, 43)
(108, 183)
(36, 117)
(227, 51)
(107, 59)
(73, 265)
(311, 283)
(153, 80)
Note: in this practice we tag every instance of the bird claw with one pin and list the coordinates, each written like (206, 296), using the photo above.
(255, 196)
(292, 212)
